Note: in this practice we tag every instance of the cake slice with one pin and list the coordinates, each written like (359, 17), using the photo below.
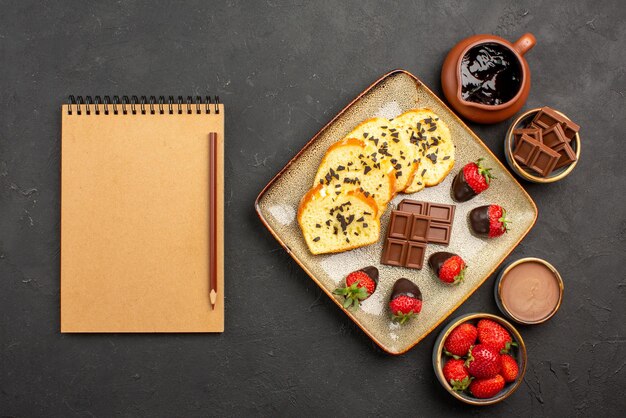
(434, 147)
(346, 166)
(333, 223)
(383, 142)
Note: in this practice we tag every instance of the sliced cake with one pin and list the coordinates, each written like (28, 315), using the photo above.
(383, 142)
(346, 166)
(333, 223)
(435, 149)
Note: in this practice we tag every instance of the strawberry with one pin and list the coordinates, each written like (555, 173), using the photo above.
(455, 373)
(472, 180)
(493, 334)
(487, 388)
(510, 369)
(460, 340)
(449, 267)
(405, 300)
(360, 285)
(489, 221)
(483, 361)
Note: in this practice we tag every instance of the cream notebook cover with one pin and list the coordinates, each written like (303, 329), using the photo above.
(135, 216)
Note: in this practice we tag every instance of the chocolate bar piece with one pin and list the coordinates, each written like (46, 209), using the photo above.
(394, 252)
(419, 228)
(570, 129)
(404, 253)
(400, 224)
(547, 117)
(415, 255)
(406, 239)
(554, 136)
(439, 233)
(441, 213)
(413, 206)
(534, 133)
(568, 155)
(525, 149)
(544, 160)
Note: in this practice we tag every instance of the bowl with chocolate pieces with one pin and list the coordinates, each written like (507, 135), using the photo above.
(542, 145)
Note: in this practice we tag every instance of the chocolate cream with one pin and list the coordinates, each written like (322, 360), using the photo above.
(530, 291)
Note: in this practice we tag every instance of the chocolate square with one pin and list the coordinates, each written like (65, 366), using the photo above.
(419, 229)
(554, 136)
(525, 149)
(413, 206)
(544, 160)
(441, 213)
(568, 155)
(439, 233)
(547, 117)
(534, 133)
(394, 252)
(570, 129)
(415, 255)
(400, 224)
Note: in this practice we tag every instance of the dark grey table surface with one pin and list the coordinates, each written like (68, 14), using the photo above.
(283, 69)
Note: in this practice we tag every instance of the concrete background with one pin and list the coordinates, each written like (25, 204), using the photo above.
(283, 69)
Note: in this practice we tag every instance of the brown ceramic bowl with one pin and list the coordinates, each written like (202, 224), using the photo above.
(530, 175)
(451, 79)
(519, 353)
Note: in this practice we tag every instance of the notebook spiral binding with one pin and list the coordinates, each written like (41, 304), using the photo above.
(142, 105)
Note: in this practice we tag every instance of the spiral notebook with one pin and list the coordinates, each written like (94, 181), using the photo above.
(136, 214)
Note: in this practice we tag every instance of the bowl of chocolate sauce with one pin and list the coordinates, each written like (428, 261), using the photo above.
(486, 78)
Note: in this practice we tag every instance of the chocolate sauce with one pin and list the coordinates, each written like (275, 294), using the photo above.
(405, 287)
(491, 74)
(479, 220)
(436, 260)
(461, 191)
(372, 272)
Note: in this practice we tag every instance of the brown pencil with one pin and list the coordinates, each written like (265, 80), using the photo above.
(213, 218)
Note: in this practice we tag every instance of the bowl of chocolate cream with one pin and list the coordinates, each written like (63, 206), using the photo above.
(529, 291)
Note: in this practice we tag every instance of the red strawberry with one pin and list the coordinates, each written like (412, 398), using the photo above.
(405, 300)
(510, 369)
(472, 180)
(493, 334)
(455, 373)
(487, 388)
(489, 221)
(460, 340)
(360, 285)
(483, 361)
(449, 267)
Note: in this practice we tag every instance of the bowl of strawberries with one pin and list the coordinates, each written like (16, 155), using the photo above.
(480, 358)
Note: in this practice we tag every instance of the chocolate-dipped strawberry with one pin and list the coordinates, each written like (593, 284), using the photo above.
(405, 300)
(448, 267)
(489, 221)
(360, 285)
(472, 180)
